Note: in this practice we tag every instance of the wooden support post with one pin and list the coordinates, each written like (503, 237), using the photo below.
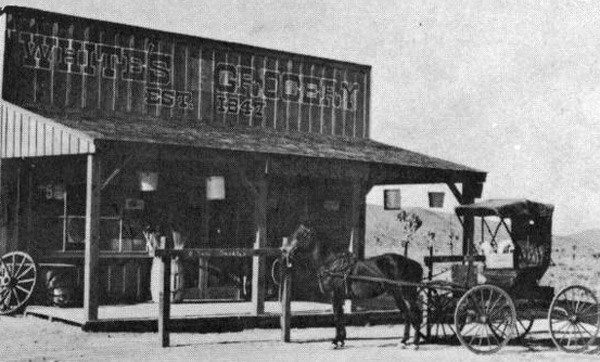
(29, 228)
(455, 192)
(258, 262)
(468, 197)
(357, 220)
(357, 228)
(286, 301)
(203, 263)
(3, 217)
(164, 301)
(91, 282)
(17, 213)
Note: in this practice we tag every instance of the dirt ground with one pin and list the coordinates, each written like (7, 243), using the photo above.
(30, 338)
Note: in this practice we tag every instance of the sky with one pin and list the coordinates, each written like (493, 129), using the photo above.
(511, 88)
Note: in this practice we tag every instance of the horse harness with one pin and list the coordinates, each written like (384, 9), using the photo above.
(341, 266)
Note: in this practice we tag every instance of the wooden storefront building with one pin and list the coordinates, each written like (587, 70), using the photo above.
(107, 128)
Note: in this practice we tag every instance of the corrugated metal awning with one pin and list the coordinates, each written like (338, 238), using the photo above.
(27, 134)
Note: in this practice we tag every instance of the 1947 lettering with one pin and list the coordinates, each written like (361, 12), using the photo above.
(233, 104)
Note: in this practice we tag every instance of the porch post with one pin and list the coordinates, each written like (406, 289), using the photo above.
(258, 262)
(470, 191)
(91, 281)
(357, 219)
(356, 223)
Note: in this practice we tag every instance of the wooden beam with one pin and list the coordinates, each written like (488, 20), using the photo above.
(429, 260)
(116, 172)
(92, 239)
(357, 220)
(17, 213)
(286, 301)
(203, 274)
(3, 209)
(455, 191)
(164, 305)
(395, 174)
(30, 232)
(258, 262)
(218, 253)
(468, 220)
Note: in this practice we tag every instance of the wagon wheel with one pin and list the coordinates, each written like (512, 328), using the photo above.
(485, 319)
(525, 320)
(524, 323)
(574, 319)
(523, 327)
(18, 275)
(438, 306)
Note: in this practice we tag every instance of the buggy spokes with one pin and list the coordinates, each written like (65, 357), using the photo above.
(574, 319)
(485, 319)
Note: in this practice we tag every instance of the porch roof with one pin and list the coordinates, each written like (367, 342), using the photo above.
(83, 134)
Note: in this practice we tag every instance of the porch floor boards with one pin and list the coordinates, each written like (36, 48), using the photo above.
(206, 317)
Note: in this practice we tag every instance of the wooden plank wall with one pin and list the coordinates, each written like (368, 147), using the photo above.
(185, 78)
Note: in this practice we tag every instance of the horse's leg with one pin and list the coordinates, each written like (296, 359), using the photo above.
(337, 303)
(405, 310)
(412, 299)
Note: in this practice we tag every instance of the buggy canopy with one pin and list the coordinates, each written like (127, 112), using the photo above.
(507, 208)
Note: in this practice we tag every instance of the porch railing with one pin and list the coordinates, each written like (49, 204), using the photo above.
(164, 305)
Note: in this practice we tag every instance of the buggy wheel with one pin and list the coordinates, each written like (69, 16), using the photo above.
(574, 319)
(525, 320)
(18, 275)
(438, 301)
(485, 319)
(523, 327)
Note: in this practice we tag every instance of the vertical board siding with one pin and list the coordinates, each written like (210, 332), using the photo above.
(59, 63)
(25, 134)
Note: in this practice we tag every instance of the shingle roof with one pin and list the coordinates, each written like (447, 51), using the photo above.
(149, 130)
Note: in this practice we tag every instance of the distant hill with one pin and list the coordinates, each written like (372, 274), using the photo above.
(587, 238)
(575, 257)
(384, 233)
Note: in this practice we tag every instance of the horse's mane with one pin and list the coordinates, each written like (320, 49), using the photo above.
(340, 262)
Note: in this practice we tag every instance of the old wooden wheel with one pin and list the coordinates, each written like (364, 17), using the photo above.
(485, 319)
(525, 321)
(438, 302)
(574, 319)
(18, 275)
(523, 327)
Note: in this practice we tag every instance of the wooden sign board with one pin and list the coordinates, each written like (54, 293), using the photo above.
(55, 62)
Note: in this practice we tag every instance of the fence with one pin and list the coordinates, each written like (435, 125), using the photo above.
(164, 305)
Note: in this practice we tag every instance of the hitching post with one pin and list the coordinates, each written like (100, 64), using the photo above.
(286, 299)
(164, 300)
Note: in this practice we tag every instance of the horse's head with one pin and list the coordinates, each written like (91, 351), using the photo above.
(152, 237)
(301, 241)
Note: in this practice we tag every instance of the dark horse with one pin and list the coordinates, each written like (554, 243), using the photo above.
(335, 276)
